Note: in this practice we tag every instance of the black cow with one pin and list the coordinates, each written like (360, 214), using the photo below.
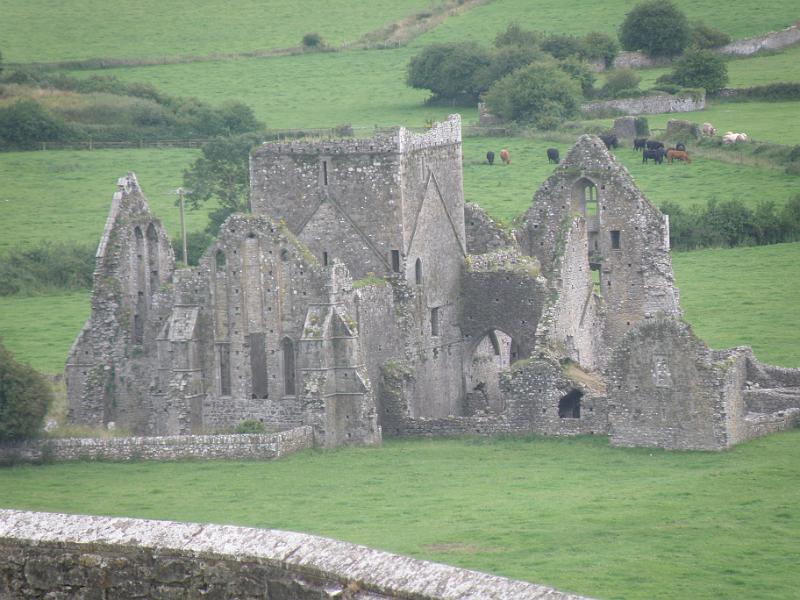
(653, 144)
(610, 140)
(552, 155)
(656, 154)
(639, 143)
(680, 146)
(490, 157)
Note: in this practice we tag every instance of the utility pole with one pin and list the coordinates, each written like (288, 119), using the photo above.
(183, 227)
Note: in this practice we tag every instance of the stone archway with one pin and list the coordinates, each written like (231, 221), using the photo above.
(493, 354)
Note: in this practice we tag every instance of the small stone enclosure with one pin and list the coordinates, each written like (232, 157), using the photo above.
(363, 297)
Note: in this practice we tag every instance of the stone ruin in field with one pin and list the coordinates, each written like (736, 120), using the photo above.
(363, 297)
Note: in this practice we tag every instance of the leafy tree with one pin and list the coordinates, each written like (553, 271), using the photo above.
(448, 70)
(514, 35)
(705, 36)
(312, 40)
(222, 174)
(504, 60)
(562, 46)
(700, 68)
(657, 27)
(541, 93)
(599, 46)
(619, 80)
(25, 397)
(25, 122)
(580, 72)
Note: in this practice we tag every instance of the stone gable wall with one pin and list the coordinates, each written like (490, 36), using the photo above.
(73, 556)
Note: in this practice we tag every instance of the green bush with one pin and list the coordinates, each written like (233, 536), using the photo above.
(312, 40)
(514, 35)
(642, 126)
(502, 61)
(656, 27)
(541, 94)
(700, 68)
(779, 91)
(448, 70)
(197, 242)
(705, 36)
(250, 426)
(25, 396)
(562, 46)
(25, 123)
(599, 46)
(47, 267)
(670, 88)
(618, 80)
(580, 72)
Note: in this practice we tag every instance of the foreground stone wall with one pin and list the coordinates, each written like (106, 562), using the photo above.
(72, 556)
(659, 103)
(174, 447)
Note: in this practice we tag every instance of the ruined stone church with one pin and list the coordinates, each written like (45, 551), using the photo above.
(363, 297)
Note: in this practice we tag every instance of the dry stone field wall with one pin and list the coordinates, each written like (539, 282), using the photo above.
(46, 555)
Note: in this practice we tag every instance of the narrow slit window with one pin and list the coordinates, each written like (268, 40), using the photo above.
(396, 261)
(615, 240)
(224, 370)
(324, 172)
(288, 367)
(418, 272)
(435, 321)
(325, 259)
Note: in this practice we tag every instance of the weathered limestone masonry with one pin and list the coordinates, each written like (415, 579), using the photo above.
(47, 555)
(657, 103)
(454, 325)
(175, 447)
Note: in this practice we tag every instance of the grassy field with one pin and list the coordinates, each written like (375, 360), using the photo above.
(744, 296)
(66, 195)
(573, 513)
(39, 330)
(506, 192)
(751, 17)
(39, 31)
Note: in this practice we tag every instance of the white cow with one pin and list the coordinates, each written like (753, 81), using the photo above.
(731, 138)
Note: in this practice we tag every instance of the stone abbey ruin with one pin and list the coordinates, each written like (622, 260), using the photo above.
(363, 297)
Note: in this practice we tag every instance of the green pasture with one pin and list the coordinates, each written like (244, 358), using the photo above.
(65, 195)
(746, 18)
(576, 514)
(744, 296)
(360, 87)
(506, 191)
(43, 31)
(747, 72)
(39, 330)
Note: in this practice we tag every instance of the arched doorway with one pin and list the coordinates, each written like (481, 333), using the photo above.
(493, 354)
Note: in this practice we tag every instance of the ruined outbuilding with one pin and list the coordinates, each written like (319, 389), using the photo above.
(363, 297)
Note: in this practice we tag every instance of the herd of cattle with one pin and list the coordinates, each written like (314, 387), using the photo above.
(651, 149)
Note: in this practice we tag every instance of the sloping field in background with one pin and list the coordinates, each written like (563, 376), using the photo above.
(577, 514)
(65, 195)
(745, 18)
(361, 87)
(43, 31)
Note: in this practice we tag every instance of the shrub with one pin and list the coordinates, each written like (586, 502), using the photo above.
(197, 242)
(250, 426)
(312, 40)
(47, 267)
(25, 122)
(514, 35)
(642, 126)
(670, 88)
(25, 397)
(503, 61)
(618, 80)
(656, 27)
(541, 93)
(701, 69)
(599, 46)
(580, 72)
(771, 92)
(562, 45)
(448, 70)
(705, 36)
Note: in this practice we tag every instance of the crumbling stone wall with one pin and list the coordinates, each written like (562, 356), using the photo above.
(47, 555)
(483, 233)
(655, 104)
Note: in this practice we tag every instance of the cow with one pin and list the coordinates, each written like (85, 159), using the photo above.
(653, 144)
(505, 157)
(680, 146)
(490, 157)
(709, 129)
(657, 154)
(639, 144)
(610, 140)
(552, 155)
(679, 154)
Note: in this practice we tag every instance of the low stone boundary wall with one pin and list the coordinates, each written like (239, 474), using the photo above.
(659, 103)
(74, 556)
(174, 447)
(773, 40)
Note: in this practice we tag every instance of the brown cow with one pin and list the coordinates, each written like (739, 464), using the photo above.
(505, 157)
(679, 154)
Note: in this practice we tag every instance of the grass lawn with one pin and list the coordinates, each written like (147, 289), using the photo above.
(744, 296)
(751, 17)
(66, 195)
(39, 330)
(39, 31)
(573, 513)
